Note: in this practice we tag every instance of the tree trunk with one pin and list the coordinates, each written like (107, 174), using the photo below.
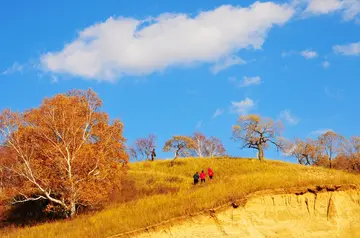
(330, 163)
(72, 209)
(261, 154)
(176, 155)
(307, 160)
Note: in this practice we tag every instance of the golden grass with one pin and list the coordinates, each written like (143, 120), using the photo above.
(234, 179)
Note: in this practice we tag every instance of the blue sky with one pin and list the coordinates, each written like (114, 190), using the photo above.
(169, 67)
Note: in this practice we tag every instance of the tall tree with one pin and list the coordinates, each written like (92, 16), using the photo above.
(332, 144)
(180, 145)
(257, 133)
(65, 151)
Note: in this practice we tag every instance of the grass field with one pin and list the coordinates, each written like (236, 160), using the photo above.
(169, 193)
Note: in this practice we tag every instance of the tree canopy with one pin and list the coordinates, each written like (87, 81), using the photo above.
(65, 151)
(257, 133)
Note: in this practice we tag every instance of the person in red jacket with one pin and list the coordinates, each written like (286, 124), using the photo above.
(202, 176)
(210, 173)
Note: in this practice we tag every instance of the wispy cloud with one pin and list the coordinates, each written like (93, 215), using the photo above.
(199, 124)
(348, 49)
(226, 63)
(289, 117)
(242, 107)
(309, 54)
(333, 94)
(15, 68)
(288, 53)
(247, 81)
(54, 79)
(350, 9)
(325, 64)
(320, 132)
(218, 112)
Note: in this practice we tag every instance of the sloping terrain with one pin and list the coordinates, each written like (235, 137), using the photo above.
(160, 192)
(321, 214)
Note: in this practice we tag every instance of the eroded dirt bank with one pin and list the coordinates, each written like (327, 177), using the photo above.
(317, 212)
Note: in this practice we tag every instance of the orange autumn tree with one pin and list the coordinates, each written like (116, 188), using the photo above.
(180, 145)
(258, 133)
(65, 151)
(306, 152)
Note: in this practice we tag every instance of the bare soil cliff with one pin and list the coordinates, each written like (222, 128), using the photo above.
(313, 212)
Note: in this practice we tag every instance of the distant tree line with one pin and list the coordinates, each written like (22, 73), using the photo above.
(182, 146)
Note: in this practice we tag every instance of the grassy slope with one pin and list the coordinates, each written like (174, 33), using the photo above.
(234, 178)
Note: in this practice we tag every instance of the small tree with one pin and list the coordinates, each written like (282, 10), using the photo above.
(257, 133)
(180, 145)
(144, 146)
(214, 147)
(133, 153)
(352, 147)
(207, 147)
(332, 144)
(306, 152)
(200, 141)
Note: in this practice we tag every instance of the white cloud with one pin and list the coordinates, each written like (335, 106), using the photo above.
(251, 81)
(247, 81)
(242, 107)
(350, 9)
(321, 132)
(218, 112)
(323, 6)
(325, 64)
(309, 54)
(16, 67)
(226, 63)
(348, 49)
(288, 117)
(128, 46)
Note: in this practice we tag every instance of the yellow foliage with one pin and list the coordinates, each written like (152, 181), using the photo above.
(234, 179)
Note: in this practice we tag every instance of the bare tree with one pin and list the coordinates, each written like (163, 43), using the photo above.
(306, 152)
(207, 147)
(332, 144)
(214, 147)
(200, 141)
(144, 146)
(133, 153)
(257, 133)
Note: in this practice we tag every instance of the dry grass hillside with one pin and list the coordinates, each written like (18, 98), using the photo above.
(161, 192)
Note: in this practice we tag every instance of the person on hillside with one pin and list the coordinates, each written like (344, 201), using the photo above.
(196, 178)
(210, 173)
(202, 176)
(153, 154)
